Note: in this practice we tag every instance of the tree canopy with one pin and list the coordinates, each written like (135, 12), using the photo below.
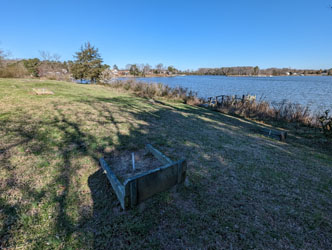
(88, 63)
(32, 66)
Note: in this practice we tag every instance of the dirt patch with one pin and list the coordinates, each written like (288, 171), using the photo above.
(121, 163)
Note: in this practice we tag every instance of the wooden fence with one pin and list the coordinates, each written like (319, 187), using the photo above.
(221, 99)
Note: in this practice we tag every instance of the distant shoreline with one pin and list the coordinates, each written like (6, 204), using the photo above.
(175, 75)
(151, 76)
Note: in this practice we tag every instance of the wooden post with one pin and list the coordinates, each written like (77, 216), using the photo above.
(133, 160)
(182, 165)
(209, 99)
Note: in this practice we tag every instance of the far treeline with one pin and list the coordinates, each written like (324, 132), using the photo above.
(88, 66)
(256, 71)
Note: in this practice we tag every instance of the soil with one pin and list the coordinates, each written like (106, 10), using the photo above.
(121, 163)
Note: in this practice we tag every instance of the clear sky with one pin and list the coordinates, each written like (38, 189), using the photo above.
(186, 34)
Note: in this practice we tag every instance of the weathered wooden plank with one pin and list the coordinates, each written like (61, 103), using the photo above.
(161, 157)
(281, 135)
(42, 91)
(158, 180)
(140, 187)
(182, 170)
(133, 193)
(116, 185)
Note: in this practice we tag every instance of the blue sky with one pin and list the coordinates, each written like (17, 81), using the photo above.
(186, 34)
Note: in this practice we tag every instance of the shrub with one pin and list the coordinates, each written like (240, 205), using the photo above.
(150, 90)
(262, 110)
(14, 70)
(326, 123)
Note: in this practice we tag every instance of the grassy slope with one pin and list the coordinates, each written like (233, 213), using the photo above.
(245, 190)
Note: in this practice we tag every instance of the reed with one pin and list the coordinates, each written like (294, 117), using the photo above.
(263, 110)
(152, 90)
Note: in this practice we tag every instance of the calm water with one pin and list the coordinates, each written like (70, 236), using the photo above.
(313, 91)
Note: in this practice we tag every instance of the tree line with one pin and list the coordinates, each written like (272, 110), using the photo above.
(256, 71)
(88, 66)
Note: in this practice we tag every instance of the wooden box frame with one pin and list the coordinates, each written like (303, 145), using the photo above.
(142, 186)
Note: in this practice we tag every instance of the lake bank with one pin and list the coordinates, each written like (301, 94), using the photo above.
(311, 91)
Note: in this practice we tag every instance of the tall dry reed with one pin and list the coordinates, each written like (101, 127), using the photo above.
(151, 90)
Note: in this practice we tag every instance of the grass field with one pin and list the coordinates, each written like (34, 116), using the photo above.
(245, 190)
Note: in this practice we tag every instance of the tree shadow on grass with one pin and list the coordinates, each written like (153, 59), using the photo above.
(238, 181)
(224, 192)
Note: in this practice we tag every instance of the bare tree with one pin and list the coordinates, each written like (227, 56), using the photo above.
(146, 69)
(47, 56)
(50, 65)
(106, 76)
(140, 67)
(159, 67)
(3, 56)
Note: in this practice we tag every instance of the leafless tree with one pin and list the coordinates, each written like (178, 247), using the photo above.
(128, 66)
(146, 69)
(3, 56)
(50, 65)
(47, 56)
(106, 76)
(140, 66)
(159, 67)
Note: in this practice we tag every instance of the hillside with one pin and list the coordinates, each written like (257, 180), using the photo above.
(245, 190)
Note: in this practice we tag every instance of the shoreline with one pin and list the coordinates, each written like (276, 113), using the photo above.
(151, 76)
(254, 76)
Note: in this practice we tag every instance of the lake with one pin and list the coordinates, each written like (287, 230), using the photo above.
(312, 91)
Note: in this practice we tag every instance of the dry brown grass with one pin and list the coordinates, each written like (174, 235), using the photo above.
(155, 90)
(261, 110)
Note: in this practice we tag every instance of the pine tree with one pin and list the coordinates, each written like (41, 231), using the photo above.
(32, 66)
(88, 63)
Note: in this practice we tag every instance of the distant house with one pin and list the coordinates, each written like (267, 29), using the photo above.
(123, 72)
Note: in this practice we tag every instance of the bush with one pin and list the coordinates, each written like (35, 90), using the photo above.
(262, 110)
(326, 123)
(14, 70)
(150, 90)
(106, 76)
